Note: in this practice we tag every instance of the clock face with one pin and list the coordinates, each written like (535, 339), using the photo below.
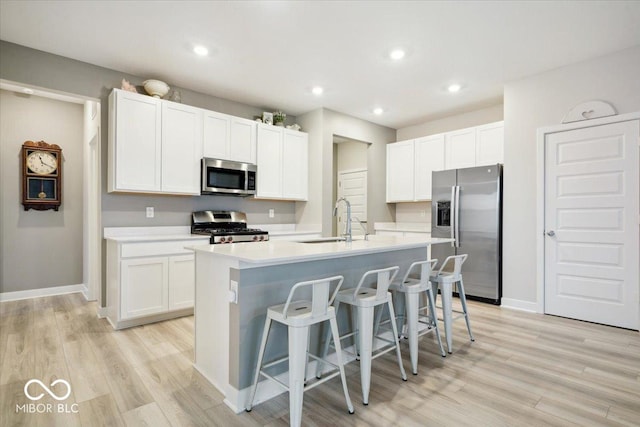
(42, 162)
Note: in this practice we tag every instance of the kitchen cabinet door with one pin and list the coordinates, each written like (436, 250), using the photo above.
(460, 149)
(242, 143)
(134, 142)
(181, 148)
(429, 157)
(217, 133)
(295, 167)
(143, 287)
(269, 162)
(181, 282)
(400, 171)
(490, 144)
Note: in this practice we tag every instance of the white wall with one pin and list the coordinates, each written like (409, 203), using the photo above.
(40, 249)
(351, 155)
(539, 101)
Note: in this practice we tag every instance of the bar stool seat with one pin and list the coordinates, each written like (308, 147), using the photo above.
(413, 289)
(299, 316)
(365, 300)
(447, 279)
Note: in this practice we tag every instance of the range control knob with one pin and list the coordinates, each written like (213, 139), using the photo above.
(255, 238)
(229, 239)
(222, 240)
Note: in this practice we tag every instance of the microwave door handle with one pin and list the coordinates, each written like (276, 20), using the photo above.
(452, 218)
(457, 216)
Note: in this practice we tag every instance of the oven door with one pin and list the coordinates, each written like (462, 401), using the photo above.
(226, 177)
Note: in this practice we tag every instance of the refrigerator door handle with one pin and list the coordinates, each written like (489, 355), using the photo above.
(456, 216)
(452, 214)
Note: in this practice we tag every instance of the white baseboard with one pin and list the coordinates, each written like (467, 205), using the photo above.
(42, 292)
(516, 304)
(102, 312)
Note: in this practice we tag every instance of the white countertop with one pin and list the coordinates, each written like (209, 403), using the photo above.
(283, 252)
(151, 234)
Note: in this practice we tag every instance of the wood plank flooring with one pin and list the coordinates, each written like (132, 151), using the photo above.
(523, 370)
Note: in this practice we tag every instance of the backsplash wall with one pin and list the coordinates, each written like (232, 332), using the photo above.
(413, 212)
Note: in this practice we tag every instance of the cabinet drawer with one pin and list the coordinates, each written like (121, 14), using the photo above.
(143, 249)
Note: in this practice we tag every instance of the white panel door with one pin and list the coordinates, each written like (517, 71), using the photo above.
(400, 171)
(217, 133)
(144, 286)
(295, 165)
(352, 185)
(460, 149)
(181, 148)
(137, 142)
(269, 162)
(242, 146)
(182, 282)
(591, 224)
(489, 144)
(429, 157)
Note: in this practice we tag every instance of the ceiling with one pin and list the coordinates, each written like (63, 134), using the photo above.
(271, 53)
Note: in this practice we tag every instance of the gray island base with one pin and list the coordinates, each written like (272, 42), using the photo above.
(235, 284)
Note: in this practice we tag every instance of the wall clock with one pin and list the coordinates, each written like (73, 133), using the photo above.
(41, 176)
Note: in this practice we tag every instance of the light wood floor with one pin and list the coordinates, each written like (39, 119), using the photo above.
(523, 369)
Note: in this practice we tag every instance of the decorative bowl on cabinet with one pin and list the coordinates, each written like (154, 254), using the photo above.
(156, 88)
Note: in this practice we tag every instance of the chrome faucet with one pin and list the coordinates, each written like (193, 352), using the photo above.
(347, 231)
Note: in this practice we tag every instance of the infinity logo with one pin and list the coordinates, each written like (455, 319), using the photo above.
(48, 390)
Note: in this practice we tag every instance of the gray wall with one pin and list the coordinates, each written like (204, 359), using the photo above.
(40, 249)
(322, 126)
(48, 71)
(541, 101)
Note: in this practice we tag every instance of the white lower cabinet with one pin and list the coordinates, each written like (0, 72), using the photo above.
(149, 281)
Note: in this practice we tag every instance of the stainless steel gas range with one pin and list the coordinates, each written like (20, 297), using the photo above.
(226, 227)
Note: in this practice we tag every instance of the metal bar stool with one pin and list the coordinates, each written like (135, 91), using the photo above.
(412, 290)
(299, 316)
(365, 300)
(447, 279)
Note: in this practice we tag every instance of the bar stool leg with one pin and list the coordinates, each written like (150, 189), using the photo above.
(392, 315)
(434, 318)
(365, 338)
(412, 306)
(336, 339)
(263, 344)
(298, 338)
(463, 301)
(447, 314)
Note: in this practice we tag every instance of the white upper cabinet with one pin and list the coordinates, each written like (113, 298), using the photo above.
(282, 161)
(229, 138)
(181, 148)
(134, 142)
(410, 163)
(490, 144)
(429, 156)
(295, 165)
(400, 171)
(460, 149)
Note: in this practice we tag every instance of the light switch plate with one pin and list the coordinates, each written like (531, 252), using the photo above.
(272, 213)
(150, 212)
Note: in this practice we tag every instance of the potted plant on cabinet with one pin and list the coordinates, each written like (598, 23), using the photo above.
(279, 118)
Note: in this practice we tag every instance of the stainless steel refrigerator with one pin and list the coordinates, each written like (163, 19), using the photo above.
(467, 206)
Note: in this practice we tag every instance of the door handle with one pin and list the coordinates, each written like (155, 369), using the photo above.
(551, 233)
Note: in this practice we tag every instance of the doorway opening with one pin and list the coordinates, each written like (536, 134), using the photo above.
(90, 192)
(350, 177)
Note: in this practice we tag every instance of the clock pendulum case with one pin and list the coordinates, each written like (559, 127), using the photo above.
(41, 176)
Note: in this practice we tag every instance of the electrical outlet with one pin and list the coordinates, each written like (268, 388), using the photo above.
(272, 213)
(423, 213)
(150, 212)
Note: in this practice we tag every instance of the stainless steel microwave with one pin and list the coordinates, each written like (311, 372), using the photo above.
(227, 177)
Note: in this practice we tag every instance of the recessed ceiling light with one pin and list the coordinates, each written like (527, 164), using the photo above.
(454, 88)
(378, 111)
(200, 50)
(397, 54)
(317, 90)
(27, 91)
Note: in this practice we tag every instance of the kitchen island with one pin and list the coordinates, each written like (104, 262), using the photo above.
(236, 283)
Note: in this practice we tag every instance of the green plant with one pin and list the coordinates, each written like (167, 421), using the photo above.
(279, 117)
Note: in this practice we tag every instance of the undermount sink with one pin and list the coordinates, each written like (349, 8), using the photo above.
(324, 240)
